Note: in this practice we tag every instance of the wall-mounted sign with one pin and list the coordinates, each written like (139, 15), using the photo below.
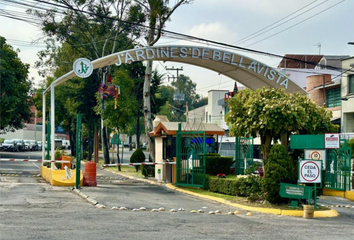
(332, 140)
(310, 171)
(315, 154)
(82, 67)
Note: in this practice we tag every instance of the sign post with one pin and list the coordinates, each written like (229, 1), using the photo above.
(78, 150)
(310, 171)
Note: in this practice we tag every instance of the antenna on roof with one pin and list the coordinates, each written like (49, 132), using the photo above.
(318, 45)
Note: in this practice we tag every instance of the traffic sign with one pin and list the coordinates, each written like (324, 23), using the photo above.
(310, 171)
(332, 140)
(316, 154)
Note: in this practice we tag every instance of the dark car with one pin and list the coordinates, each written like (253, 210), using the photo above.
(9, 145)
(33, 145)
(257, 164)
(21, 144)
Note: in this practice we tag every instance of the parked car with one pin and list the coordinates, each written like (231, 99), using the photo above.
(39, 145)
(27, 144)
(9, 145)
(257, 164)
(33, 145)
(21, 144)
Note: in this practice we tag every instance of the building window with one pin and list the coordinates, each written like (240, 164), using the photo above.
(351, 83)
(333, 97)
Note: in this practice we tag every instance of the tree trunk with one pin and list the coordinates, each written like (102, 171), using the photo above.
(266, 141)
(96, 143)
(105, 145)
(89, 142)
(147, 107)
(284, 139)
(72, 138)
(138, 130)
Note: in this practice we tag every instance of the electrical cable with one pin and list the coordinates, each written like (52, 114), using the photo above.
(251, 36)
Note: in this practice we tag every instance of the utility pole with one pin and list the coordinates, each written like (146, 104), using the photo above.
(178, 96)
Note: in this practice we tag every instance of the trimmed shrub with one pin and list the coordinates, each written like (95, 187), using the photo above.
(250, 186)
(148, 170)
(216, 164)
(277, 169)
(138, 156)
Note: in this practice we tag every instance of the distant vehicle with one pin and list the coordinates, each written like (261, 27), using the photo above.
(257, 163)
(58, 144)
(9, 145)
(66, 144)
(33, 145)
(21, 144)
(27, 144)
(39, 145)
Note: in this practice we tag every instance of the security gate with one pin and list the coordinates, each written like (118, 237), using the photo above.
(244, 154)
(190, 154)
(338, 175)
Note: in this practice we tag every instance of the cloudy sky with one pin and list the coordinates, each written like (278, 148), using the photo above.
(275, 26)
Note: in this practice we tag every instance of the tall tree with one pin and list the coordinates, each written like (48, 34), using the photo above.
(15, 89)
(158, 13)
(94, 29)
(273, 114)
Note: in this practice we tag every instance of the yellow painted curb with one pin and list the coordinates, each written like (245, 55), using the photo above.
(294, 213)
(57, 177)
(344, 194)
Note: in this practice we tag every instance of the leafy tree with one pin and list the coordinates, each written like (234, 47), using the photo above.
(273, 114)
(278, 169)
(174, 109)
(93, 29)
(158, 13)
(15, 89)
(119, 116)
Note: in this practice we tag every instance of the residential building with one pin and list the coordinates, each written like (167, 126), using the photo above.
(347, 96)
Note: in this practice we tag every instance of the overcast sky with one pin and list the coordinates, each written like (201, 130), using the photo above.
(329, 23)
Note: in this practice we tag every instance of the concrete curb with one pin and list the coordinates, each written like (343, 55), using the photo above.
(294, 213)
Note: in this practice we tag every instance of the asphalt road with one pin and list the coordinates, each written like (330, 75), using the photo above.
(20, 167)
(33, 209)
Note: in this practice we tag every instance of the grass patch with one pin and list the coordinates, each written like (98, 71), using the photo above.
(128, 170)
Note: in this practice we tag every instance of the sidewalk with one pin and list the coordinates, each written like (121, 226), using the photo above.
(328, 201)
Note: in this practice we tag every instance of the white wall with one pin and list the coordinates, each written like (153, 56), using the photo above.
(215, 112)
(347, 106)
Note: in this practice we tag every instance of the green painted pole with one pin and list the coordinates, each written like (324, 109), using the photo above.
(48, 138)
(237, 156)
(78, 150)
(122, 149)
(315, 200)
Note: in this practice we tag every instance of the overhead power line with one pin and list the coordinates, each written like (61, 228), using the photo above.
(185, 36)
(251, 36)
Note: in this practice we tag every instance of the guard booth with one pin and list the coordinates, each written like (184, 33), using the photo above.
(336, 159)
(191, 141)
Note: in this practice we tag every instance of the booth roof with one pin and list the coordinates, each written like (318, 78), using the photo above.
(170, 128)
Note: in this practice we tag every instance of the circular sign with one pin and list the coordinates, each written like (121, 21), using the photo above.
(82, 67)
(315, 155)
(310, 172)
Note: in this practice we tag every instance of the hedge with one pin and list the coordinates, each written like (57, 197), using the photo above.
(216, 164)
(249, 186)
